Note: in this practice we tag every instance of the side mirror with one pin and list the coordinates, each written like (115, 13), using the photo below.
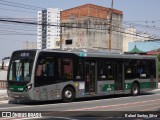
(4, 61)
(2, 65)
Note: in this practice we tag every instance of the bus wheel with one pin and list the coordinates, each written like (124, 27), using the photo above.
(68, 94)
(135, 90)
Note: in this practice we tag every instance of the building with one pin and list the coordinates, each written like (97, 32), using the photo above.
(48, 29)
(29, 45)
(131, 35)
(87, 26)
(154, 52)
(3, 75)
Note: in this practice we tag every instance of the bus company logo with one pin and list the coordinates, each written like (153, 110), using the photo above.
(6, 114)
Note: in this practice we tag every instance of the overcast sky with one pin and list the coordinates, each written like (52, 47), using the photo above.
(141, 12)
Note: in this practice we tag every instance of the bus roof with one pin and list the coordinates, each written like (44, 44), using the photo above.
(96, 53)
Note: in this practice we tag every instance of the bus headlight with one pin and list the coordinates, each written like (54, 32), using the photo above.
(28, 87)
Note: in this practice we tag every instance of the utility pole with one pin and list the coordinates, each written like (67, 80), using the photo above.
(60, 31)
(60, 36)
(110, 27)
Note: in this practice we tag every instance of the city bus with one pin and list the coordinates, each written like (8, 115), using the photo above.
(42, 75)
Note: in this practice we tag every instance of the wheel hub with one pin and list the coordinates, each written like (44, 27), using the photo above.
(135, 90)
(68, 94)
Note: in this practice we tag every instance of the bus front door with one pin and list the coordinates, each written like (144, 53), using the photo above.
(119, 77)
(90, 76)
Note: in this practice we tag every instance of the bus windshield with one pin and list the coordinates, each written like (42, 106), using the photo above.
(20, 68)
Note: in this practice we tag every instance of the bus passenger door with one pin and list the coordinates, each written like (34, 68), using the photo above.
(119, 75)
(90, 76)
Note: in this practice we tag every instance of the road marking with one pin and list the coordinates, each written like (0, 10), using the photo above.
(134, 106)
(151, 108)
(97, 107)
(16, 107)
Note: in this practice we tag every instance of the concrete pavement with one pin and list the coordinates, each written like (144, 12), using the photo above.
(3, 95)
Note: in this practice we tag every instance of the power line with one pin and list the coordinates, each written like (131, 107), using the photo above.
(21, 29)
(16, 10)
(17, 6)
(35, 23)
(20, 5)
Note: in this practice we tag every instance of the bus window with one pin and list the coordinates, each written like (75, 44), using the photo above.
(146, 69)
(105, 70)
(141, 71)
(39, 70)
(79, 69)
(45, 71)
(65, 68)
(21, 70)
(150, 67)
(110, 72)
(130, 69)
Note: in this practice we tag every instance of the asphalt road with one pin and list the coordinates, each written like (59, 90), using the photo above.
(122, 107)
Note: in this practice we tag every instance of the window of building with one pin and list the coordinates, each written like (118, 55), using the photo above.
(68, 42)
(57, 43)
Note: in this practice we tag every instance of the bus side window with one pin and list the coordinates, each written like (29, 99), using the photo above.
(45, 73)
(39, 70)
(79, 69)
(105, 69)
(150, 67)
(65, 68)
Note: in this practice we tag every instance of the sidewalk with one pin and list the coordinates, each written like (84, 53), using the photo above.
(3, 95)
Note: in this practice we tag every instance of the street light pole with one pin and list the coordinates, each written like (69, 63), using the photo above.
(110, 27)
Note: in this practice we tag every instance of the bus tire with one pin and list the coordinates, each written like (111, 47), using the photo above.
(68, 94)
(135, 89)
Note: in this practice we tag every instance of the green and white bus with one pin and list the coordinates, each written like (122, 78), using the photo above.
(42, 75)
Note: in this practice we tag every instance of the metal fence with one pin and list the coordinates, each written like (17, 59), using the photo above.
(2, 84)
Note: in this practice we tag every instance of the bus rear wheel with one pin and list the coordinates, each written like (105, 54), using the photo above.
(68, 94)
(135, 90)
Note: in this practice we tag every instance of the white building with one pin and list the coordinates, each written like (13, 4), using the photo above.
(131, 35)
(48, 29)
(29, 45)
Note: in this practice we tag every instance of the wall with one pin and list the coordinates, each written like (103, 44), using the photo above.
(3, 75)
(87, 26)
